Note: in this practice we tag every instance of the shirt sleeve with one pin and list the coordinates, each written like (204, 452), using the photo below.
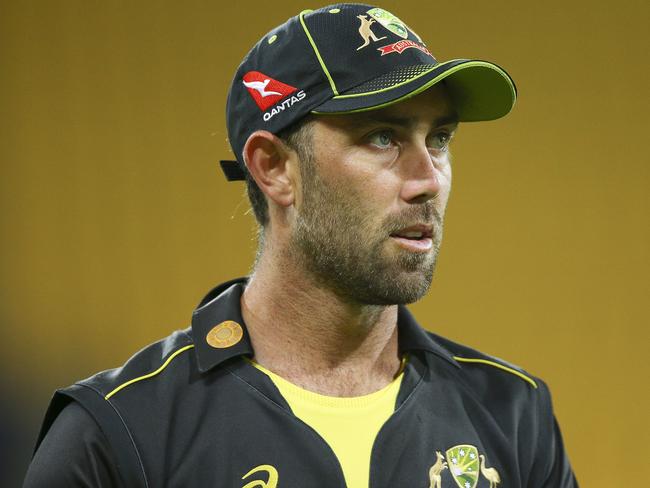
(73, 454)
(552, 468)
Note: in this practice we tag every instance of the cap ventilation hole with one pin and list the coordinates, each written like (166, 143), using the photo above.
(272, 39)
(334, 11)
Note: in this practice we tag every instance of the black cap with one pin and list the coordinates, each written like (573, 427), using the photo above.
(348, 58)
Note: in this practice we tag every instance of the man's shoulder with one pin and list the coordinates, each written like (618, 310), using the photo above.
(481, 370)
(167, 366)
(168, 356)
(122, 396)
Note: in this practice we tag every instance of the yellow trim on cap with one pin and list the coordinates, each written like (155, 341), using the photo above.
(424, 87)
(397, 85)
(313, 45)
(150, 375)
(497, 365)
(437, 66)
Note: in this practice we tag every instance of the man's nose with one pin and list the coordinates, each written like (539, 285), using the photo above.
(422, 175)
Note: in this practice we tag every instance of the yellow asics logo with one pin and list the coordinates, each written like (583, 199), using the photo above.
(272, 481)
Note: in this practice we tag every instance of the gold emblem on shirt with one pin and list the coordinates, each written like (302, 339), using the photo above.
(226, 334)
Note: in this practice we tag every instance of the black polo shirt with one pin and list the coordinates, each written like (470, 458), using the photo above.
(184, 413)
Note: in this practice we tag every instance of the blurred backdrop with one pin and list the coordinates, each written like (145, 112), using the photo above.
(115, 218)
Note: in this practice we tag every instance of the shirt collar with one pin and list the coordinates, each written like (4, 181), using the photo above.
(217, 307)
(412, 337)
(222, 304)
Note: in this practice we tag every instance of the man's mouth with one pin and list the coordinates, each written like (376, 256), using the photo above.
(416, 238)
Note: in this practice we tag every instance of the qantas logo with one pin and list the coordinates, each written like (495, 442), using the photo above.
(271, 94)
(260, 86)
(285, 104)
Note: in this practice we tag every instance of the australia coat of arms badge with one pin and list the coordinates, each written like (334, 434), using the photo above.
(465, 465)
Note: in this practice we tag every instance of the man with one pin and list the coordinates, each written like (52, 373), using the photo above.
(311, 373)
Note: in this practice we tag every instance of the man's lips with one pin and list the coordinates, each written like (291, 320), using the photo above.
(417, 231)
(417, 238)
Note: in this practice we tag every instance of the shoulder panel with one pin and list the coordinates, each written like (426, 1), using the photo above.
(498, 365)
(152, 374)
(467, 355)
(143, 365)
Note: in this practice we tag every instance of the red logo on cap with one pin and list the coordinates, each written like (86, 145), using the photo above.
(265, 90)
(400, 46)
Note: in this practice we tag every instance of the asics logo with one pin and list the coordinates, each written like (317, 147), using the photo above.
(271, 482)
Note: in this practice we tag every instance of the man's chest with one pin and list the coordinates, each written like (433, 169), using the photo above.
(436, 438)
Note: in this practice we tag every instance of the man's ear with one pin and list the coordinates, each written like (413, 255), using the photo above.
(272, 165)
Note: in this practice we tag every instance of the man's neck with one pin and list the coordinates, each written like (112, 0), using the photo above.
(309, 336)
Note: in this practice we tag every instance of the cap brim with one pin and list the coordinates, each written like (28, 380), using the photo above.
(479, 90)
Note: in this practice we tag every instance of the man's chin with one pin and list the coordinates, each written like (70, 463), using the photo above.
(398, 287)
(414, 287)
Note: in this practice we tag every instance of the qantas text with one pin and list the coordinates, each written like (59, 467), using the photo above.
(285, 104)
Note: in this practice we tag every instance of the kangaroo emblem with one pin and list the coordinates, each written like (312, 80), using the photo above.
(260, 87)
(435, 477)
(365, 32)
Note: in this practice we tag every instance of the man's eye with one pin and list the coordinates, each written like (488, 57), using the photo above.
(382, 139)
(440, 141)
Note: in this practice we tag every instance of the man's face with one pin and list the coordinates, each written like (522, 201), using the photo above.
(369, 216)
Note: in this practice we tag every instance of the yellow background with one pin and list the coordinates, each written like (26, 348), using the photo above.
(115, 218)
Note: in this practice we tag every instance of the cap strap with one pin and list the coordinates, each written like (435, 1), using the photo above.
(232, 171)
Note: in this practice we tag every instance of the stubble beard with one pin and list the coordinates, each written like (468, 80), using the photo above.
(340, 246)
